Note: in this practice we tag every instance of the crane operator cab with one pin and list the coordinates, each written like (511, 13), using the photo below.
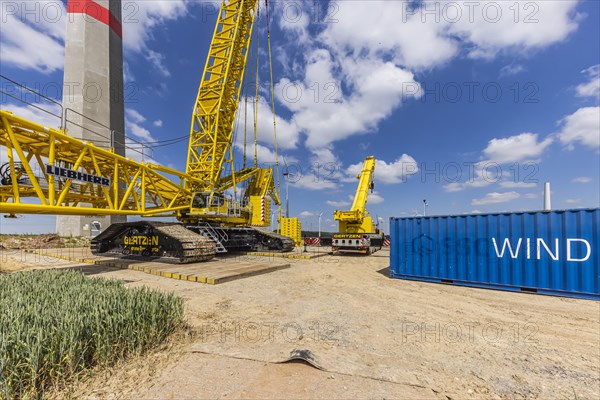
(215, 206)
(208, 203)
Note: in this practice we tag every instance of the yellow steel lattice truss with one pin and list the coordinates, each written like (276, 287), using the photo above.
(213, 119)
(50, 172)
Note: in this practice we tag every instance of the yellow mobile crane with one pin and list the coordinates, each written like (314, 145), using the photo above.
(357, 233)
(50, 172)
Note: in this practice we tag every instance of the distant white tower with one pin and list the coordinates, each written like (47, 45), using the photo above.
(547, 203)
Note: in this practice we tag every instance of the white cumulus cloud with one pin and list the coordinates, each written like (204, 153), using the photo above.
(138, 131)
(583, 127)
(591, 88)
(495, 198)
(490, 27)
(573, 201)
(134, 115)
(511, 69)
(454, 187)
(140, 18)
(376, 29)
(523, 148)
(32, 114)
(375, 198)
(518, 148)
(356, 70)
(310, 181)
(158, 61)
(376, 88)
(33, 35)
(265, 155)
(517, 185)
(51, 118)
(136, 135)
(139, 152)
(582, 179)
(287, 131)
(338, 204)
(388, 173)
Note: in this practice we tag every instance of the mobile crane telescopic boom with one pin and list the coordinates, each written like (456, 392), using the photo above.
(357, 233)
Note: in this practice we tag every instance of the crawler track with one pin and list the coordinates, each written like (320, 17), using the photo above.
(152, 240)
(272, 241)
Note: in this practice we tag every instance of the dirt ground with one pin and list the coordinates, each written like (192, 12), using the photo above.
(10, 242)
(371, 337)
(12, 260)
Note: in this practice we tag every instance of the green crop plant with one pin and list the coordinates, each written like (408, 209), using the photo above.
(56, 324)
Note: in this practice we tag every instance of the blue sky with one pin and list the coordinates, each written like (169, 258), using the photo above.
(472, 107)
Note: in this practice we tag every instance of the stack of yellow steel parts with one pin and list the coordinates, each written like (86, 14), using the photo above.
(261, 210)
(292, 228)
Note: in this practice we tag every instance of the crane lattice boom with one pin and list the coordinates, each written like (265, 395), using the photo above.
(214, 113)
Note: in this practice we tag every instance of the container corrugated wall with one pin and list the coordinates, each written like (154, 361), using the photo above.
(544, 252)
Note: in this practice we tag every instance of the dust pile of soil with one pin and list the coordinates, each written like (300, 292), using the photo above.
(14, 256)
(47, 241)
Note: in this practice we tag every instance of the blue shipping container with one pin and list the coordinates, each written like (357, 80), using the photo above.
(541, 252)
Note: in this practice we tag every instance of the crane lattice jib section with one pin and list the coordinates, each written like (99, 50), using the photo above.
(214, 113)
(49, 172)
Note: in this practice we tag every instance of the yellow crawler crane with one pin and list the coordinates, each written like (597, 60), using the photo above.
(357, 233)
(49, 172)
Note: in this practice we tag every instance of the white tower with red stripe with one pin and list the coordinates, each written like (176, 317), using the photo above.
(93, 87)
